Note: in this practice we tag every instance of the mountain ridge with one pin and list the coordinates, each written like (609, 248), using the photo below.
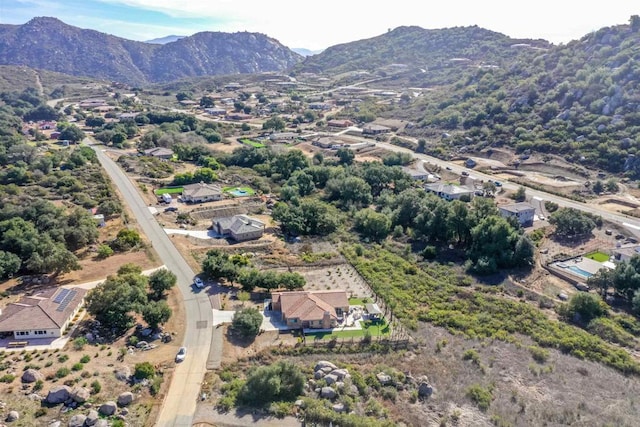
(48, 43)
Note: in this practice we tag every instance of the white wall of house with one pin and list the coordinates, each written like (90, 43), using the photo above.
(37, 333)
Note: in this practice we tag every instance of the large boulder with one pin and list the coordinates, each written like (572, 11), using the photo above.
(122, 373)
(324, 364)
(77, 420)
(80, 394)
(330, 379)
(92, 418)
(101, 423)
(54, 423)
(58, 394)
(31, 376)
(383, 378)
(13, 416)
(425, 390)
(125, 398)
(340, 373)
(318, 375)
(327, 393)
(339, 407)
(108, 408)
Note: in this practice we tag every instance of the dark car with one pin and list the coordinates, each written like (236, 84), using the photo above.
(171, 209)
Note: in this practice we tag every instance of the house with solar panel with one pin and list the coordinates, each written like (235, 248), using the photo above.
(44, 314)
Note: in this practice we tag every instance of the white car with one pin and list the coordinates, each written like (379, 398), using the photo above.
(182, 353)
(199, 283)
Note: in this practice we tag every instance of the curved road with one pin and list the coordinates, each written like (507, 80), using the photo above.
(179, 404)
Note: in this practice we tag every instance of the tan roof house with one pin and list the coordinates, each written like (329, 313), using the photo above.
(45, 314)
(239, 227)
(311, 309)
(159, 152)
(201, 192)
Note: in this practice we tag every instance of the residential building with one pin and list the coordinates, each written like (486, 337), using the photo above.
(201, 192)
(448, 191)
(311, 309)
(339, 123)
(625, 253)
(371, 129)
(214, 111)
(283, 136)
(45, 314)
(239, 227)
(159, 153)
(523, 212)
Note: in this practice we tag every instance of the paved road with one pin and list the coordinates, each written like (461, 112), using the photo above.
(179, 405)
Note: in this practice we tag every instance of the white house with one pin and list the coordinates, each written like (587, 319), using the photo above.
(45, 314)
(448, 191)
(201, 192)
(523, 212)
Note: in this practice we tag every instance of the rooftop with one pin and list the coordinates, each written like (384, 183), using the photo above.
(311, 305)
(517, 207)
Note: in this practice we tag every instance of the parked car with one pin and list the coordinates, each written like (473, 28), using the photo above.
(497, 183)
(171, 209)
(448, 168)
(182, 353)
(465, 173)
(198, 282)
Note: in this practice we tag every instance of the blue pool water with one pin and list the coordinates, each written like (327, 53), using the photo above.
(238, 192)
(579, 271)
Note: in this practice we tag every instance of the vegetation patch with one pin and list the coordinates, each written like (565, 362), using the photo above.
(169, 190)
(252, 143)
(598, 256)
(430, 294)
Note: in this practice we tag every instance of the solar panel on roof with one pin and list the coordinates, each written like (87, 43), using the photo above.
(68, 298)
(60, 296)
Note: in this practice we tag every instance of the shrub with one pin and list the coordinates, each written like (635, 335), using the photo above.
(77, 367)
(63, 358)
(85, 359)
(279, 382)
(7, 378)
(156, 383)
(472, 355)
(144, 370)
(481, 396)
(62, 372)
(38, 385)
(540, 355)
(40, 412)
(96, 387)
(247, 322)
(79, 343)
(280, 409)
(104, 251)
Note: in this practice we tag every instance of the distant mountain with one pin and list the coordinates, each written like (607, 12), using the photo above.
(48, 43)
(165, 40)
(419, 48)
(305, 52)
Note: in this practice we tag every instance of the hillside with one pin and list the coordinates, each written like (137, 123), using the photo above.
(415, 47)
(48, 43)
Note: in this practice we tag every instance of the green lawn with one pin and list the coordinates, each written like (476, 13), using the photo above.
(169, 190)
(380, 329)
(359, 301)
(252, 143)
(598, 256)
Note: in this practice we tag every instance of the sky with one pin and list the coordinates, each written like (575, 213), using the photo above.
(318, 25)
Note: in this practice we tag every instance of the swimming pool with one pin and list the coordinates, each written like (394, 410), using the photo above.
(579, 271)
(238, 192)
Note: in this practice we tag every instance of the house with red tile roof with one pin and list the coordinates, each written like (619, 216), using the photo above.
(311, 309)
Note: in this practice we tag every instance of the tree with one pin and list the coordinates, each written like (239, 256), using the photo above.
(520, 195)
(161, 281)
(247, 322)
(372, 224)
(217, 265)
(104, 251)
(207, 101)
(156, 313)
(597, 187)
(345, 156)
(282, 381)
(276, 123)
(95, 121)
(9, 264)
(126, 239)
(571, 222)
(113, 301)
(583, 307)
(72, 133)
